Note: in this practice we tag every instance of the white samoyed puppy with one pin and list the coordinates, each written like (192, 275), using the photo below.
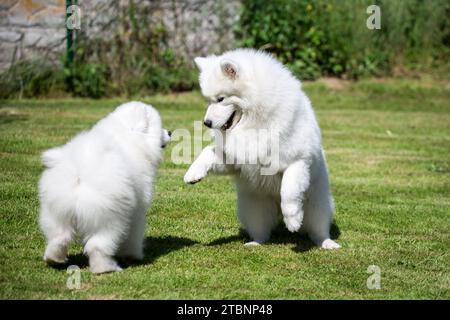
(266, 135)
(99, 186)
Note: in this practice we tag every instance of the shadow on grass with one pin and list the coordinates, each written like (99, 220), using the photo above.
(155, 247)
(78, 259)
(279, 236)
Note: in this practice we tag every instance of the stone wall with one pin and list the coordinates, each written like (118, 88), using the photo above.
(29, 28)
(36, 28)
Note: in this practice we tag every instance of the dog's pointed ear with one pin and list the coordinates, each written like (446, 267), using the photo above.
(142, 122)
(200, 62)
(229, 68)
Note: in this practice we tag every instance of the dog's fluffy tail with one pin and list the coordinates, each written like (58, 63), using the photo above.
(51, 157)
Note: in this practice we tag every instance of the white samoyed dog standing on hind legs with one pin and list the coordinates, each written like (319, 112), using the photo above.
(252, 96)
(99, 186)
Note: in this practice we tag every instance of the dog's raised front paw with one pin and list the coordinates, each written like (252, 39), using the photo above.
(194, 175)
(293, 223)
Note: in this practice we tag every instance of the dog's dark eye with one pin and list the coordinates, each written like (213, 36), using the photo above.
(220, 99)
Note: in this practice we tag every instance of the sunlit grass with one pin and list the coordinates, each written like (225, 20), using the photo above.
(387, 144)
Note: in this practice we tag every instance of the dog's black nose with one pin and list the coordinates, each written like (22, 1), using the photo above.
(208, 123)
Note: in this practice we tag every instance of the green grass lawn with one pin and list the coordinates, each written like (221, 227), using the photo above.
(388, 148)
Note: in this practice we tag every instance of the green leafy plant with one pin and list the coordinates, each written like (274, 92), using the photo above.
(330, 37)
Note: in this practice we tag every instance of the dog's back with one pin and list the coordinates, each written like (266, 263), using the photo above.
(85, 182)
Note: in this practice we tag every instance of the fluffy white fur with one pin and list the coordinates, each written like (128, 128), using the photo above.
(99, 186)
(265, 95)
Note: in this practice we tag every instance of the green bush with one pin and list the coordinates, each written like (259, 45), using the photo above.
(87, 80)
(30, 79)
(330, 37)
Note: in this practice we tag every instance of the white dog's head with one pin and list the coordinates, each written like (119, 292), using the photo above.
(143, 119)
(221, 79)
(246, 84)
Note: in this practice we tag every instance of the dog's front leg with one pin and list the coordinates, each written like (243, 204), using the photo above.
(294, 184)
(201, 166)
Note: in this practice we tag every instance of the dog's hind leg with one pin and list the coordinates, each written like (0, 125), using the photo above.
(319, 211)
(59, 234)
(257, 214)
(101, 248)
(132, 247)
